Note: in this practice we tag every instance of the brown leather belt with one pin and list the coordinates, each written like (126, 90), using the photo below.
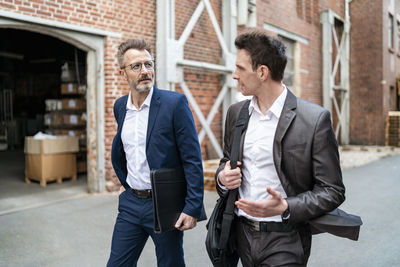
(265, 226)
(142, 193)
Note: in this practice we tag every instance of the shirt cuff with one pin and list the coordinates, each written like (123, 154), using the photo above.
(223, 187)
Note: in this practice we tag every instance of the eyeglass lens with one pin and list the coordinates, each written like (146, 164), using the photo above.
(137, 67)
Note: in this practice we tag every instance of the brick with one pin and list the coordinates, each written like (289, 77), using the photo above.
(369, 99)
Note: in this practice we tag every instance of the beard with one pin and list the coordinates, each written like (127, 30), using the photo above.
(141, 88)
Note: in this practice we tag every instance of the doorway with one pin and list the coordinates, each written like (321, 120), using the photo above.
(42, 89)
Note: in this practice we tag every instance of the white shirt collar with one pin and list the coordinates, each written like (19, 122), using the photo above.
(146, 103)
(276, 107)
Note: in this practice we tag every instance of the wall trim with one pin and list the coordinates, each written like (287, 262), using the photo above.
(285, 33)
(94, 46)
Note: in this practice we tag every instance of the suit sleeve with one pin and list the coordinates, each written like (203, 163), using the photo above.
(118, 158)
(115, 111)
(328, 190)
(190, 154)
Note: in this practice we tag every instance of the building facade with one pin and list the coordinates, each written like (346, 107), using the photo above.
(375, 68)
(193, 46)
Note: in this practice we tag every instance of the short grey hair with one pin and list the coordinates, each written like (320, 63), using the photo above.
(134, 43)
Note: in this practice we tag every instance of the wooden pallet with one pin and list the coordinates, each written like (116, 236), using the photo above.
(210, 167)
(43, 181)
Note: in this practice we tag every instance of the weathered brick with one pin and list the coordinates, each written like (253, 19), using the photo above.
(368, 97)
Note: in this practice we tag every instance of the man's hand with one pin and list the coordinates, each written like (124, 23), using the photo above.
(185, 222)
(273, 206)
(230, 178)
(121, 189)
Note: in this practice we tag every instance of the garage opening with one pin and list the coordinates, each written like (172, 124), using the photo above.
(42, 90)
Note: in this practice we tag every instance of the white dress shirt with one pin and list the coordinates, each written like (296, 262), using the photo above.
(258, 163)
(133, 138)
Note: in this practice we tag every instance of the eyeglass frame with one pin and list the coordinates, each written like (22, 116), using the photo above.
(141, 66)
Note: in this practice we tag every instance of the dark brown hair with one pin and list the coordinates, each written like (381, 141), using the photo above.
(264, 50)
(135, 43)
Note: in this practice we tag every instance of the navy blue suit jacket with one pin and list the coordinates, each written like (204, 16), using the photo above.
(171, 142)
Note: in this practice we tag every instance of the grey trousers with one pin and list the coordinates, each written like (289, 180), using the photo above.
(271, 248)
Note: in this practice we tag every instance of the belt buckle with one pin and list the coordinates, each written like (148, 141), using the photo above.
(255, 226)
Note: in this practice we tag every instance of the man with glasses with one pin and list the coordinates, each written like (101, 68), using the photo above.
(156, 130)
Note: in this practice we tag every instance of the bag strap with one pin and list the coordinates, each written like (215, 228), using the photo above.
(227, 218)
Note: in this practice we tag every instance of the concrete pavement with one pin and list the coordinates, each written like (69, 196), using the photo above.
(372, 192)
(77, 231)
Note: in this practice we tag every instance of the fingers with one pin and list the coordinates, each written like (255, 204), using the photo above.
(231, 178)
(185, 222)
(179, 222)
(273, 193)
(246, 204)
(121, 190)
(228, 164)
(272, 206)
(252, 208)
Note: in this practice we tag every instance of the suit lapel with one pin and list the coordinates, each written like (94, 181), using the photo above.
(244, 130)
(286, 118)
(154, 108)
(122, 113)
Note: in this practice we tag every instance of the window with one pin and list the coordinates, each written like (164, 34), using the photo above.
(398, 36)
(288, 77)
(391, 98)
(390, 31)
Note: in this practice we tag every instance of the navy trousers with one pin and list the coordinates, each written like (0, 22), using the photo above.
(133, 226)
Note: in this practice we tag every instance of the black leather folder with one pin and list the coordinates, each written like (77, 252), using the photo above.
(168, 193)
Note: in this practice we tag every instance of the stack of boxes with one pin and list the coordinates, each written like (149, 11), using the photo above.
(393, 129)
(67, 116)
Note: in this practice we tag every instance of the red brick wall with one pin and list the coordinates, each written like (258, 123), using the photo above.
(130, 18)
(366, 122)
(391, 61)
(202, 45)
(138, 19)
(369, 99)
(302, 17)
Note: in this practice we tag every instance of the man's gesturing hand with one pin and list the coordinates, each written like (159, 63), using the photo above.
(230, 178)
(275, 205)
(185, 222)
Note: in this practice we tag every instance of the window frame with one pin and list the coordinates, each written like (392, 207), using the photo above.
(390, 32)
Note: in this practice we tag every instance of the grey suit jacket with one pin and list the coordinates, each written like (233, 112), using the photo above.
(306, 158)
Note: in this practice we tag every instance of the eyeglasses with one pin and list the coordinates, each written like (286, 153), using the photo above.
(137, 67)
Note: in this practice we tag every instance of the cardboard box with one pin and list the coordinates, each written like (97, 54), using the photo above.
(50, 159)
(53, 104)
(53, 119)
(73, 104)
(69, 88)
(81, 134)
(82, 89)
(50, 167)
(77, 133)
(61, 144)
(81, 166)
(74, 119)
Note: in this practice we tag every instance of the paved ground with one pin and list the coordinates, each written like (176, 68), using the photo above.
(372, 191)
(355, 156)
(76, 230)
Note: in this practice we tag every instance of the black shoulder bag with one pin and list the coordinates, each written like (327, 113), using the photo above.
(219, 225)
